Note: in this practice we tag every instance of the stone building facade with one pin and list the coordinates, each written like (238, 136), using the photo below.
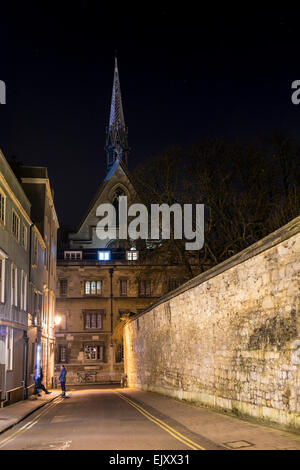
(99, 281)
(42, 284)
(230, 337)
(27, 283)
(15, 226)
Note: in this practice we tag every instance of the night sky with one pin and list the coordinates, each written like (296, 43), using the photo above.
(185, 75)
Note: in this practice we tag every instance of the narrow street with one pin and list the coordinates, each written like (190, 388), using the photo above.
(128, 419)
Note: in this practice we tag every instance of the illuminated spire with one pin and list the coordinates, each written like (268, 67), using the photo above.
(116, 136)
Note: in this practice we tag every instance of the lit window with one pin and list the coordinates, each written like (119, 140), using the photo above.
(10, 346)
(16, 225)
(23, 291)
(93, 352)
(92, 287)
(132, 255)
(103, 255)
(62, 354)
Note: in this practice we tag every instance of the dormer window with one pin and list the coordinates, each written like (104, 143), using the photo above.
(132, 255)
(104, 255)
(73, 255)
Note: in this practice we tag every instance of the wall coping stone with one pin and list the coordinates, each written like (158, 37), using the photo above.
(271, 240)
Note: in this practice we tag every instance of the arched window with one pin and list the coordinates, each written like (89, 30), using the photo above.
(87, 287)
(119, 192)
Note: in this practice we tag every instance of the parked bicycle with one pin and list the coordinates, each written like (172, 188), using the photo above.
(86, 377)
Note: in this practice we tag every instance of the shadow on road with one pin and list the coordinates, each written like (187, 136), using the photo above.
(93, 386)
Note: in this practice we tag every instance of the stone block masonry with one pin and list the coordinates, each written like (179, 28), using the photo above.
(229, 338)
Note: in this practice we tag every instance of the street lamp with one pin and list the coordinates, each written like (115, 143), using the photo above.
(57, 320)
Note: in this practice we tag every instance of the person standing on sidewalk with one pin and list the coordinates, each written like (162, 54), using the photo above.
(62, 379)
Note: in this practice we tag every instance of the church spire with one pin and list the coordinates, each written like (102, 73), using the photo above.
(116, 136)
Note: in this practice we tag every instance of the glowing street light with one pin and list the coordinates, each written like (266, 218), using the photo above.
(57, 320)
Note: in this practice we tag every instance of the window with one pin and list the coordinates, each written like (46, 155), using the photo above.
(2, 276)
(63, 285)
(92, 287)
(119, 192)
(2, 207)
(132, 255)
(24, 236)
(173, 284)
(93, 320)
(14, 285)
(16, 225)
(93, 352)
(144, 288)
(73, 255)
(35, 250)
(10, 347)
(103, 255)
(62, 354)
(119, 353)
(123, 287)
(23, 291)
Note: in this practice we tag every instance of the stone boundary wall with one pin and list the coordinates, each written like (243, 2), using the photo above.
(230, 337)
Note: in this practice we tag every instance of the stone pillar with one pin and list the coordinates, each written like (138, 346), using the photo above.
(111, 359)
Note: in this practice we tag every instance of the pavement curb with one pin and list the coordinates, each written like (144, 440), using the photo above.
(18, 420)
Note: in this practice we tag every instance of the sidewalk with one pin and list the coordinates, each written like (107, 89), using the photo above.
(225, 430)
(13, 414)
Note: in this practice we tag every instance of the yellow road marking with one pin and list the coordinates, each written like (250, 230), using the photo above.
(185, 440)
(28, 425)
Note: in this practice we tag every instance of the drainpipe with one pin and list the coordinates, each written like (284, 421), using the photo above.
(25, 336)
(39, 333)
(25, 364)
(49, 279)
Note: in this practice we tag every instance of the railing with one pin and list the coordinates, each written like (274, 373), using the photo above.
(15, 394)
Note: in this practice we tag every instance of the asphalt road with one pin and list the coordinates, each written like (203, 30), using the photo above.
(100, 419)
(130, 419)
